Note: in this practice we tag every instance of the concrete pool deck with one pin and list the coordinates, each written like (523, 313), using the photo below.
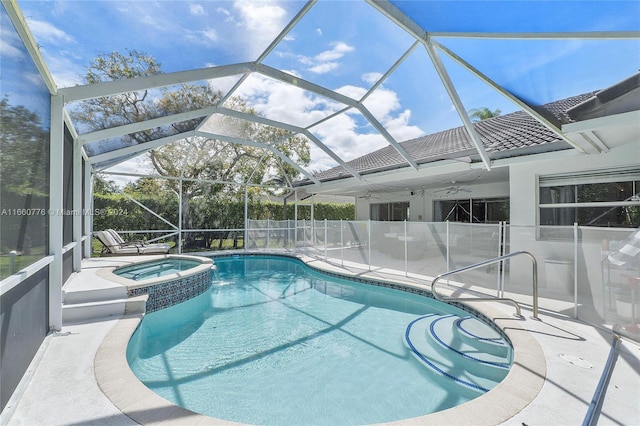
(557, 372)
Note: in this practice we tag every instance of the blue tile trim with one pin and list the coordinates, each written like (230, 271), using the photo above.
(460, 327)
(439, 340)
(169, 293)
(430, 364)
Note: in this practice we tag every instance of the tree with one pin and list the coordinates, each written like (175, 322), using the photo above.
(24, 145)
(126, 108)
(145, 185)
(195, 158)
(104, 186)
(479, 114)
(24, 178)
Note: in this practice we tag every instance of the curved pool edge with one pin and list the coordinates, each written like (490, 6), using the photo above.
(107, 272)
(519, 388)
(127, 393)
(516, 391)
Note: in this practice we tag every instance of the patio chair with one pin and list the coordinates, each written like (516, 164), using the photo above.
(118, 247)
(122, 242)
(160, 247)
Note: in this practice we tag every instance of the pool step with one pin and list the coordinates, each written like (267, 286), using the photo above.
(99, 310)
(95, 295)
(101, 301)
(462, 349)
(482, 337)
(447, 332)
(91, 311)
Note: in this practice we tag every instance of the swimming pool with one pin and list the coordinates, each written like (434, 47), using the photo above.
(156, 268)
(275, 342)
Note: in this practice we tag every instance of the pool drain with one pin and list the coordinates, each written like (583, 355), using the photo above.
(577, 361)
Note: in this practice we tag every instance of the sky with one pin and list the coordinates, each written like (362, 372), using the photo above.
(346, 46)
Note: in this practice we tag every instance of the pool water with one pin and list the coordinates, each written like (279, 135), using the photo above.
(158, 268)
(274, 342)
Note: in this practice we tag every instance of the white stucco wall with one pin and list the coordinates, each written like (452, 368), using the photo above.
(522, 187)
(524, 176)
(363, 203)
(362, 208)
(421, 202)
(523, 231)
(489, 190)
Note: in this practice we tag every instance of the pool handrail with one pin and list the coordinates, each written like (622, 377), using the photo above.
(488, 299)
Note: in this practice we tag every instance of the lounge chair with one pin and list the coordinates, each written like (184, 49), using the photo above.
(114, 245)
(122, 242)
(147, 247)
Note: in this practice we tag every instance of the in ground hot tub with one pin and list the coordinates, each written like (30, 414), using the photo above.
(157, 268)
(167, 281)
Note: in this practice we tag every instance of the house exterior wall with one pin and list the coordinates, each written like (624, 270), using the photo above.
(421, 202)
(523, 234)
(523, 177)
(481, 191)
(362, 209)
(363, 204)
(521, 188)
(524, 218)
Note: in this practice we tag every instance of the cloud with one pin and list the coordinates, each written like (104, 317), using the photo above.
(382, 102)
(263, 20)
(385, 105)
(371, 77)
(284, 102)
(326, 61)
(229, 31)
(197, 10)
(398, 126)
(324, 68)
(353, 92)
(48, 33)
(146, 16)
(259, 16)
(343, 134)
(289, 104)
(206, 37)
(225, 12)
(65, 69)
(338, 51)
(137, 165)
(349, 135)
(10, 46)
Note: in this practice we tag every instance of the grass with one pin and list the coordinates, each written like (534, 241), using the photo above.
(21, 263)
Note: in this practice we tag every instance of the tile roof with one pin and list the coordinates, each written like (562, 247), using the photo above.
(502, 136)
(620, 98)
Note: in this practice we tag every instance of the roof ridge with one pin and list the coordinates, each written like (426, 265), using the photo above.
(502, 133)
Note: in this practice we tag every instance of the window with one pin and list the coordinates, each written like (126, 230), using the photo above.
(490, 210)
(25, 111)
(603, 199)
(390, 211)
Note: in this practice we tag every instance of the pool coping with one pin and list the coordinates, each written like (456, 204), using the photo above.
(517, 390)
(107, 271)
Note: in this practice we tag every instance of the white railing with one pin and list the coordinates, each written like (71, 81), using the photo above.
(576, 276)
